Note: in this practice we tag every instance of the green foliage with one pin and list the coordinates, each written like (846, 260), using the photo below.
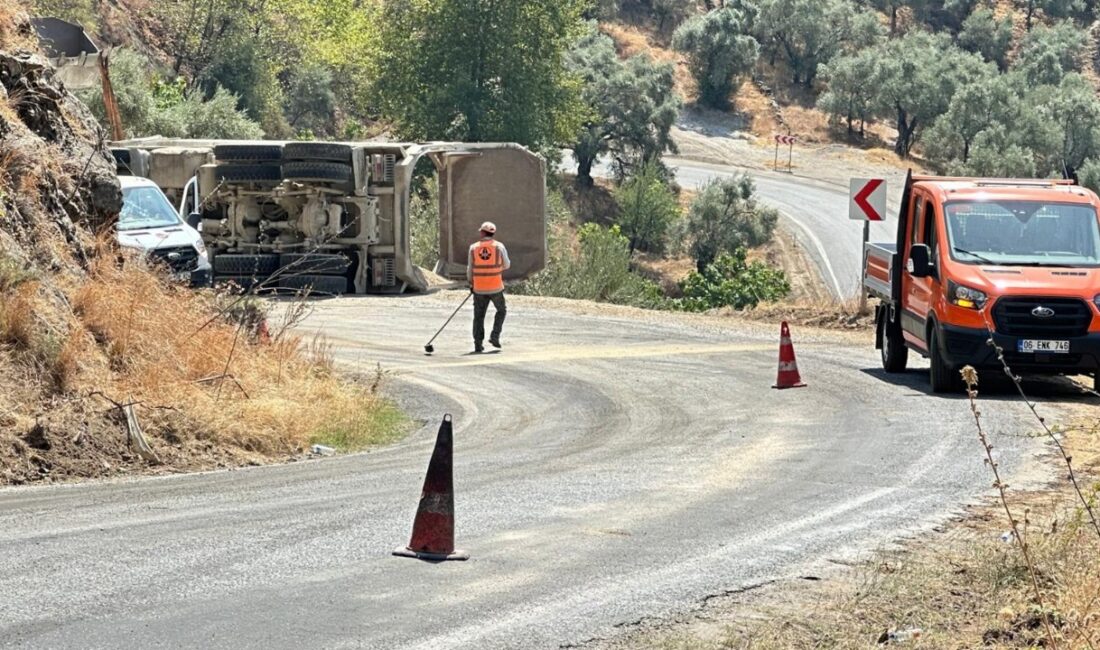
(719, 52)
(1048, 53)
(915, 77)
(310, 100)
(81, 12)
(481, 71)
(725, 217)
(808, 33)
(983, 33)
(731, 281)
(647, 207)
(151, 105)
(849, 97)
(596, 266)
(424, 224)
(1088, 175)
(631, 105)
(1049, 8)
(987, 100)
(670, 13)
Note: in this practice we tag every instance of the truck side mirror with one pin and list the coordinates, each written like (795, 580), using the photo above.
(194, 220)
(920, 261)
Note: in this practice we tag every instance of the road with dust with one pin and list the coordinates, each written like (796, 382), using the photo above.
(612, 467)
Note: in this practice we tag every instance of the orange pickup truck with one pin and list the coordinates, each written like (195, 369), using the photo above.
(1017, 261)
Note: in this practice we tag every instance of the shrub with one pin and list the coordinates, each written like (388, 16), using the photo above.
(151, 105)
(598, 268)
(732, 281)
(719, 51)
(424, 224)
(725, 217)
(647, 207)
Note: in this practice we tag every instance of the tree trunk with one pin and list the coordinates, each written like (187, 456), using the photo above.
(584, 171)
(894, 20)
(905, 133)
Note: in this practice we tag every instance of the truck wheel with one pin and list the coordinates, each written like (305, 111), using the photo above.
(248, 173)
(314, 264)
(316, 285)
(318, 172)
(326, 151)
(238, 283)
(248, 153)
(944, 378)
(246, 265)
(895, 356)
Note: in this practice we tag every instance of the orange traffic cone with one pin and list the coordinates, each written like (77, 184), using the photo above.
(788, 366)
(433, 536)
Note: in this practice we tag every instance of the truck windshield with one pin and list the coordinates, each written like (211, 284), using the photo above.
(1023, 233)
(146, 207)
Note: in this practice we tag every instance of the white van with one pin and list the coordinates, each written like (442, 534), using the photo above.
(149, 223)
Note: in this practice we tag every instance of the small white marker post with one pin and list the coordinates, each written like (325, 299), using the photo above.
(867, 203)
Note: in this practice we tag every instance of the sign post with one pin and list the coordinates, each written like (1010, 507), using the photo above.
(867, 204)
(788, 140)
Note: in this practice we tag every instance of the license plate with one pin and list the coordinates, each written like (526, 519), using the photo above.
(1057, 347)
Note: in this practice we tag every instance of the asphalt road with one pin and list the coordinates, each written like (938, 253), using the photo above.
(816, 210)
(609, 468)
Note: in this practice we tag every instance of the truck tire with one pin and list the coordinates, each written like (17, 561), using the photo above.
(318, 172)
(245, 265)
(122, 158)
(248, 173)
(324, 151)
(324, 285)
(943, 377)
(895, 356)
(240, 283)
(254, 153)
(314, 264)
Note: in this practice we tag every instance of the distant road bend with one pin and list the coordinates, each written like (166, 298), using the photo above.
(610, 466)
(816, 211)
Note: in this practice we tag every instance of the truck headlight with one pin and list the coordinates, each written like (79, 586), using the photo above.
(965, 296)
(200, 247)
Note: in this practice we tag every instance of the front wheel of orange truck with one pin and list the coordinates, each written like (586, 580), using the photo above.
(945, 379)
(895, 356)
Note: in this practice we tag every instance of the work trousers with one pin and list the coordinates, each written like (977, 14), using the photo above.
(481, 308)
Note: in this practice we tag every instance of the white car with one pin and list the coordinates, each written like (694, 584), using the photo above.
(149, 223)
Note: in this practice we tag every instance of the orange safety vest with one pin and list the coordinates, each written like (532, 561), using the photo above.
(488, 268)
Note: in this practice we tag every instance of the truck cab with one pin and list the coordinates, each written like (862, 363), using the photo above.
(1012, 261)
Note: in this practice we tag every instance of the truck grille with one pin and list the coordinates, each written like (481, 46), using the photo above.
(178, 258)
(1014, 317)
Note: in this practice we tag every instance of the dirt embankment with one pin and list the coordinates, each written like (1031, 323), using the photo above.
(87, 329)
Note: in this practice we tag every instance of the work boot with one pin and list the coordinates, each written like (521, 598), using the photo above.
(495, 343)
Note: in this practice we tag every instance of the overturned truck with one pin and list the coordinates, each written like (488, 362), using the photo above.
(334, 217)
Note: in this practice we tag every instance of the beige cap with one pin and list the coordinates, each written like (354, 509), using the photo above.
(489, 227)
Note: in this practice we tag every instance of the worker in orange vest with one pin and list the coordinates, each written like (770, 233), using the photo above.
(485, 272)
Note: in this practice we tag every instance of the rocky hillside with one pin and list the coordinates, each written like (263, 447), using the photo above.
(106, 366)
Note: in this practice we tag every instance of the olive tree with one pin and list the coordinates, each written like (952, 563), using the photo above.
(719, 51)
(631, 106)
(725, 217)
(808, 33)
(647, 207)
(983, 33)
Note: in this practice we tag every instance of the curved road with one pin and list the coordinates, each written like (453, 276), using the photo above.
(817, 212)
(611, 466)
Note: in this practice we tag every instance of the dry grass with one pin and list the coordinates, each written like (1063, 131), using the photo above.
(13, 36)
(158, 345)
(962, 587)
(631, 40)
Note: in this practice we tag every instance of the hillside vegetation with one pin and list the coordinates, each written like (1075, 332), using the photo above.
(88, 332)
(982, 87)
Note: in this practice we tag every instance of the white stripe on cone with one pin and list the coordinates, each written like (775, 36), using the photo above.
(788, 366)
